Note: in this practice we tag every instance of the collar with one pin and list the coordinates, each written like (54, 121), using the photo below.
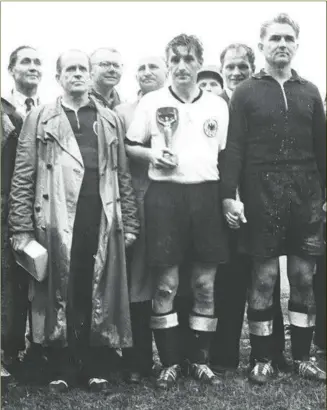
(90, 103)
(113, 100)
(295, 77)
(56, 108)
(228, 92)
(7, 107)
(20, 98)
(180, 100)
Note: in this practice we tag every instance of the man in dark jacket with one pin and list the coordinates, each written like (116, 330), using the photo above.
(233, 279)
(275, 154)
(14, 280)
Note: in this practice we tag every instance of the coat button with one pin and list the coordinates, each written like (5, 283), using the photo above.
(46, 196)
(118, 199)
(37, 208)
(49, 166)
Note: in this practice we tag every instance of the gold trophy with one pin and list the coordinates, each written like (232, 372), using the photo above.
(167, 119)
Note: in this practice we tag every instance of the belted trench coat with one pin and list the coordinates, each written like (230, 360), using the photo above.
(45, 189)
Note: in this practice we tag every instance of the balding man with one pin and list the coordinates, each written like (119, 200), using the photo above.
(72, 192)
(151, 74)
(106, 72)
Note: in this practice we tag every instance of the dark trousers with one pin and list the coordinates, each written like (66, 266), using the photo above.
(14, 304)
(79, 356)
(232, 282)
(319, 286)
(139, 357)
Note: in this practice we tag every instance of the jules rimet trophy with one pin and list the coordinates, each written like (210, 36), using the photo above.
(167, 120)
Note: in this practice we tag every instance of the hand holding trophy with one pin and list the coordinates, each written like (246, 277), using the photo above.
(167, 120)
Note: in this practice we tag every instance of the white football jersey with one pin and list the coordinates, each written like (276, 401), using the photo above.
(200, 134)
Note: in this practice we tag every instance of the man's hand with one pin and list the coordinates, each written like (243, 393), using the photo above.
(130, 238)
(160, 159)
(20, 240)
(234, 213)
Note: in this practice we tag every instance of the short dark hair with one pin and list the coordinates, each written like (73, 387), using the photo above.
(14, 55)
(238, 46)
(281, 18)
(58, 62)
(186, 41)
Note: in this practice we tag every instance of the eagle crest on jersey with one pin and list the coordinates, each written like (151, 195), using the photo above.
(210, 127)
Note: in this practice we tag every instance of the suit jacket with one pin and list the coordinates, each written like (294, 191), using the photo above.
(224, 96)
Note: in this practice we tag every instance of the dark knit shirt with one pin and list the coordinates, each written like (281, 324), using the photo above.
(84, 126)
(271, 131)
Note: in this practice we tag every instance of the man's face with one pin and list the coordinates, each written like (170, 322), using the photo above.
(151, 74)
(27, 72)
(183, 65)
(210, 84)
(107, 68)
(279, 45)
(75, 73)
(236, 68)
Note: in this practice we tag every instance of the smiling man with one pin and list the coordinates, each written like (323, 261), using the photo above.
(25, 67)
(276, 154)
(237, 65)
(106, 72)
(179, 131)
(74, 196)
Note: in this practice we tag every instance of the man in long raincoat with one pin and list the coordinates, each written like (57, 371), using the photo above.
(72, 192)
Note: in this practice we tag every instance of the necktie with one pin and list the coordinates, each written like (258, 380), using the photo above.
(29, 102)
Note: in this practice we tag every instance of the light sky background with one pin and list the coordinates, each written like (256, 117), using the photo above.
(139, 29)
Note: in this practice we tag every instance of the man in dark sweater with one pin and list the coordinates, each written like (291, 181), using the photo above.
(276, 154)
(233, 279)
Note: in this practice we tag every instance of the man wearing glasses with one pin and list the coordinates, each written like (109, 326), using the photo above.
(107, 68)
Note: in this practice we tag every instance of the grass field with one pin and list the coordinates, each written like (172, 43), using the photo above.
(286, 392)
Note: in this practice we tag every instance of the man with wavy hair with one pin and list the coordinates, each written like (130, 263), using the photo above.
(187, 129)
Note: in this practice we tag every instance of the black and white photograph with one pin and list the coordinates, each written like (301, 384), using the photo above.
(163, 205)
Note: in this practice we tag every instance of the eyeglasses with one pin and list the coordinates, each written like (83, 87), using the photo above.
(107, 64)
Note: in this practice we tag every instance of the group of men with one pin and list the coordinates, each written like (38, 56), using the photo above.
(160, 217)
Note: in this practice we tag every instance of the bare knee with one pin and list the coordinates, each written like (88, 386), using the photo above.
(165, 292)
(264, 277)
(203, 289)
(300, 273)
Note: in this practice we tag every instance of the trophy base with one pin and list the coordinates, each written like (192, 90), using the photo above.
(172, 159)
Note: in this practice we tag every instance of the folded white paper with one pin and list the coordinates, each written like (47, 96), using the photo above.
(34, 259)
